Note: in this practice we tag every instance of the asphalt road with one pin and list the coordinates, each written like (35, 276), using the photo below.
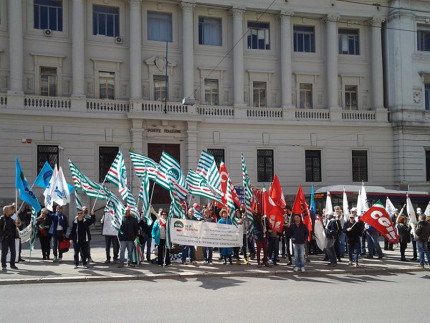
(298, 298)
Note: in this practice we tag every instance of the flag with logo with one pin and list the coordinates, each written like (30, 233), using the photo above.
(379, 218)
(301, 207)
(82, 182)
(273, 212)
(117, 175)
(227, 190)
(115, 208)
(60, 191)
(389, 207)
(131, 203)
(24, 190)
(248, 196)
(208, 169)
(42, 180)
(144, 197)
(198, 186)
(142, 163)
(170, 172)
(49, 190)
(276, 193)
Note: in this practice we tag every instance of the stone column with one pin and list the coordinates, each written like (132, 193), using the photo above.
(376, 59)
(78, 48)
(192, 134)
(332, 69)
(135, 49)
(188, 48)
(286, 73)
(16, 47)
(238, 70)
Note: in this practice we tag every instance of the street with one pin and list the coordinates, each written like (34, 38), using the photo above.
(294, 298)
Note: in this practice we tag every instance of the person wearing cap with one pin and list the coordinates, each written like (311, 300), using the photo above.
(225, 252)
(127, 234)
(43, 223)
(80, 235)
(189, 251)
(58, 230)
(353, 230)
(8, 233)
(422, 232)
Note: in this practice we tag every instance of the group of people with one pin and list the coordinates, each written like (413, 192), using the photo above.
(342, 237)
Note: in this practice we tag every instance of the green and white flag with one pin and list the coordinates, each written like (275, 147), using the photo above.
(131, 203)
(115, 208)
(197, 185)
(142, 163)
(248, 196)
(169, 171)
(208, 169)
(82, 182)
(117, 175)
(77, 201)
(144, 197)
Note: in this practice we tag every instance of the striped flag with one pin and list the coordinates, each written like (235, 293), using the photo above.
(169, 171)
(197, 214)
(207, 167)
(117, 175)
(131, 203)
(227, 188)
(82, 182)
(78, 201)
(116, 210)
(137, 252)
(144, 197)
(141, 163)
(197, 185)
(248, 196)
(178, 206)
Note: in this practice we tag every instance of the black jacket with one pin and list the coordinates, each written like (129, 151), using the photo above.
(404, 232)
(298, 234)
(423, 231)
(353, 236)
(129, 229)
(81, 230)
(7, 228)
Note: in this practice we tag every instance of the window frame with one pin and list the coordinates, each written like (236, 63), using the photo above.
(257, 28)
(116, 21)
(164, 89)
(200, 30)
(427, 161)
(363, 169)
(353, 33)
(296, 41)
(310, 174)
(217, 156)
(423, 32)
(109, 163)
(210, 92)
(267, 176)
(100, 79)
(350, 93)
(49, 5)
(259, 90)
(427, 96)
(40, 162)
(305, 96)
(41, 82)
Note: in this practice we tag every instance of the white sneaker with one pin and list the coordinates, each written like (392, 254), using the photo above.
(302, 269)
(296, 269)
(350, 263)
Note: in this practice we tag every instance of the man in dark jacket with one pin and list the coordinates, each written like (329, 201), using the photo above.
(423, 233)
(298, 235)
(80, 234)
(353, 231)
(128, 232)
(332, 233)
(8, 234)
(58, 231)
(145, 235)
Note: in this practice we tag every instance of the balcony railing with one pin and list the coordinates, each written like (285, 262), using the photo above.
(46, 102)
(359, 115)
(161, 107)
(215, 111)
(264, 113)
(301, 114)
(107, 105)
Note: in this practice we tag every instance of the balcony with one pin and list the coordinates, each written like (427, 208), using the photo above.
(145, 109)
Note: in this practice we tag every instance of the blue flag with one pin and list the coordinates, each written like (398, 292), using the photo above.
(44, 176)
(313, 199)
(25, 192)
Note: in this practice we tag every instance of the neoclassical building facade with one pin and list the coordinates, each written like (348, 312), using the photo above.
(318, 92)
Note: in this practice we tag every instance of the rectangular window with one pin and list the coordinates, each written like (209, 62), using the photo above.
(264, 165)
(46, 153)
(306, 96)
(106, 157)
(210, 31)
(351, 97)
(107, 85)
(428, 165)
(211, 92)
(304, 39)
(359, 166)
(313, 165)
(48, 14)
(258, 35)
(159, 26)
(218, 155)
(349, 41)
(48, 81)
(423, 40)
(427, 95)
(160, 88)
(106, 21)
(259, 94)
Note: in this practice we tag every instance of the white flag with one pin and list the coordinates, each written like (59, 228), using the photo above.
(427, 211)
(390, 207)
(328, 204)
(49, 190)
(410, 210)
(320, 233)
(345, 206)
(359, 204)
(60, 193)
(364, 203)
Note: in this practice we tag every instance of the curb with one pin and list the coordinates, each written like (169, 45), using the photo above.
(142, 277)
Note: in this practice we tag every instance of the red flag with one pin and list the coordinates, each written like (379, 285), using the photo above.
(301, 207)
(274, 213)
(227, 184)
(378, 218)
(276, 192)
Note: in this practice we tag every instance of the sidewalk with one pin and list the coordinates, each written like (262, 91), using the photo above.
(37, 270)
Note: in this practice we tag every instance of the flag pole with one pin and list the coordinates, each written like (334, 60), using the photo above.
(98, 194)
(152, 193)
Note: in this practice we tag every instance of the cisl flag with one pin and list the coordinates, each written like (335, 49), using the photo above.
(378, 218)
(274, 213)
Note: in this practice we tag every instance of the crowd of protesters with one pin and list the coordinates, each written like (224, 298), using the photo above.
(351, 237)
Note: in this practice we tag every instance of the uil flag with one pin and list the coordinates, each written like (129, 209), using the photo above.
(25, 192)
(117, 175)
(378, 218)
(389, 207)
(60, 191)
(328, 204)
(312, 206)
(274, 213)
(410, 210)
(301, 207)
(49, 190)
(276, 193)
(42, 180)
(345, 205)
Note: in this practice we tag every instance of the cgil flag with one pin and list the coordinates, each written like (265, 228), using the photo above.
(117, 175)
(142, 163)
(227, 190)
(25, 192)
(273, 212)
(42, 180)
(82, 182)
(379, 218)
(276, 192)
(301, 207)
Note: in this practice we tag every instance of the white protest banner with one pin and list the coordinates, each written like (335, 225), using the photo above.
(205, 234)
(25, 234)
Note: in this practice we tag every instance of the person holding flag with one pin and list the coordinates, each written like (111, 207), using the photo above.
(404, 232)
(128, 232)
(8, 233)
(43, 223)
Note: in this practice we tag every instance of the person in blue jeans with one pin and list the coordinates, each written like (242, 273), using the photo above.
(127, 234)
(423, 233)
(353, 230)
(207, 251)
(373, 243)
(299, 234)
(189, 251)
